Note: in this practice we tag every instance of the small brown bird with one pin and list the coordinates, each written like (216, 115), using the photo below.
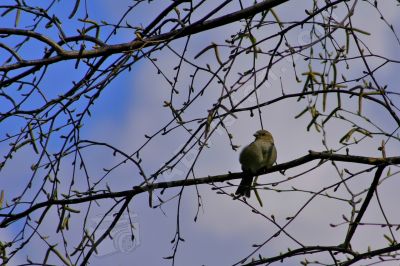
(259, 154)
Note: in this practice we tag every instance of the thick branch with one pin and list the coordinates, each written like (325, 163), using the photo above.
(372, 253)
(194, 28)
(353, 226)
(9, 218)
(301, 251)
(315, 249)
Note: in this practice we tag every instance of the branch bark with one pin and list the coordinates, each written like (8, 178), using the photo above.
(353, 226)
(9, 218)
(194, 28)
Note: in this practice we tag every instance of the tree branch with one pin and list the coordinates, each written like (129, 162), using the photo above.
(194, 28)
(301, 251)
(315, 249)
(9, 218)
(353, 226)
(370, 254)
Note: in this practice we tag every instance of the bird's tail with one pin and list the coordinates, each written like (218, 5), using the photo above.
(245, 186)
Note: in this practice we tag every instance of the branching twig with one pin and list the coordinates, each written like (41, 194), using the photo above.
(353, 226)
(204, 180)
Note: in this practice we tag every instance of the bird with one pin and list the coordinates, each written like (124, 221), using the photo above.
(260, 154)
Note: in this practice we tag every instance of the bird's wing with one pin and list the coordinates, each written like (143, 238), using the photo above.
(251, 158)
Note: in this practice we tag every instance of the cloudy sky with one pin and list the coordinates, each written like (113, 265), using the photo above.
(225, 230)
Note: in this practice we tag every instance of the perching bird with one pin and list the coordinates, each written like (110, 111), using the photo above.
(259, 154)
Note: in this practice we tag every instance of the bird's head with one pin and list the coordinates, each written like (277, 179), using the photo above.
(264, 135)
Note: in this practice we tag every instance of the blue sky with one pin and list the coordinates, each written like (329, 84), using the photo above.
(131, 106)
